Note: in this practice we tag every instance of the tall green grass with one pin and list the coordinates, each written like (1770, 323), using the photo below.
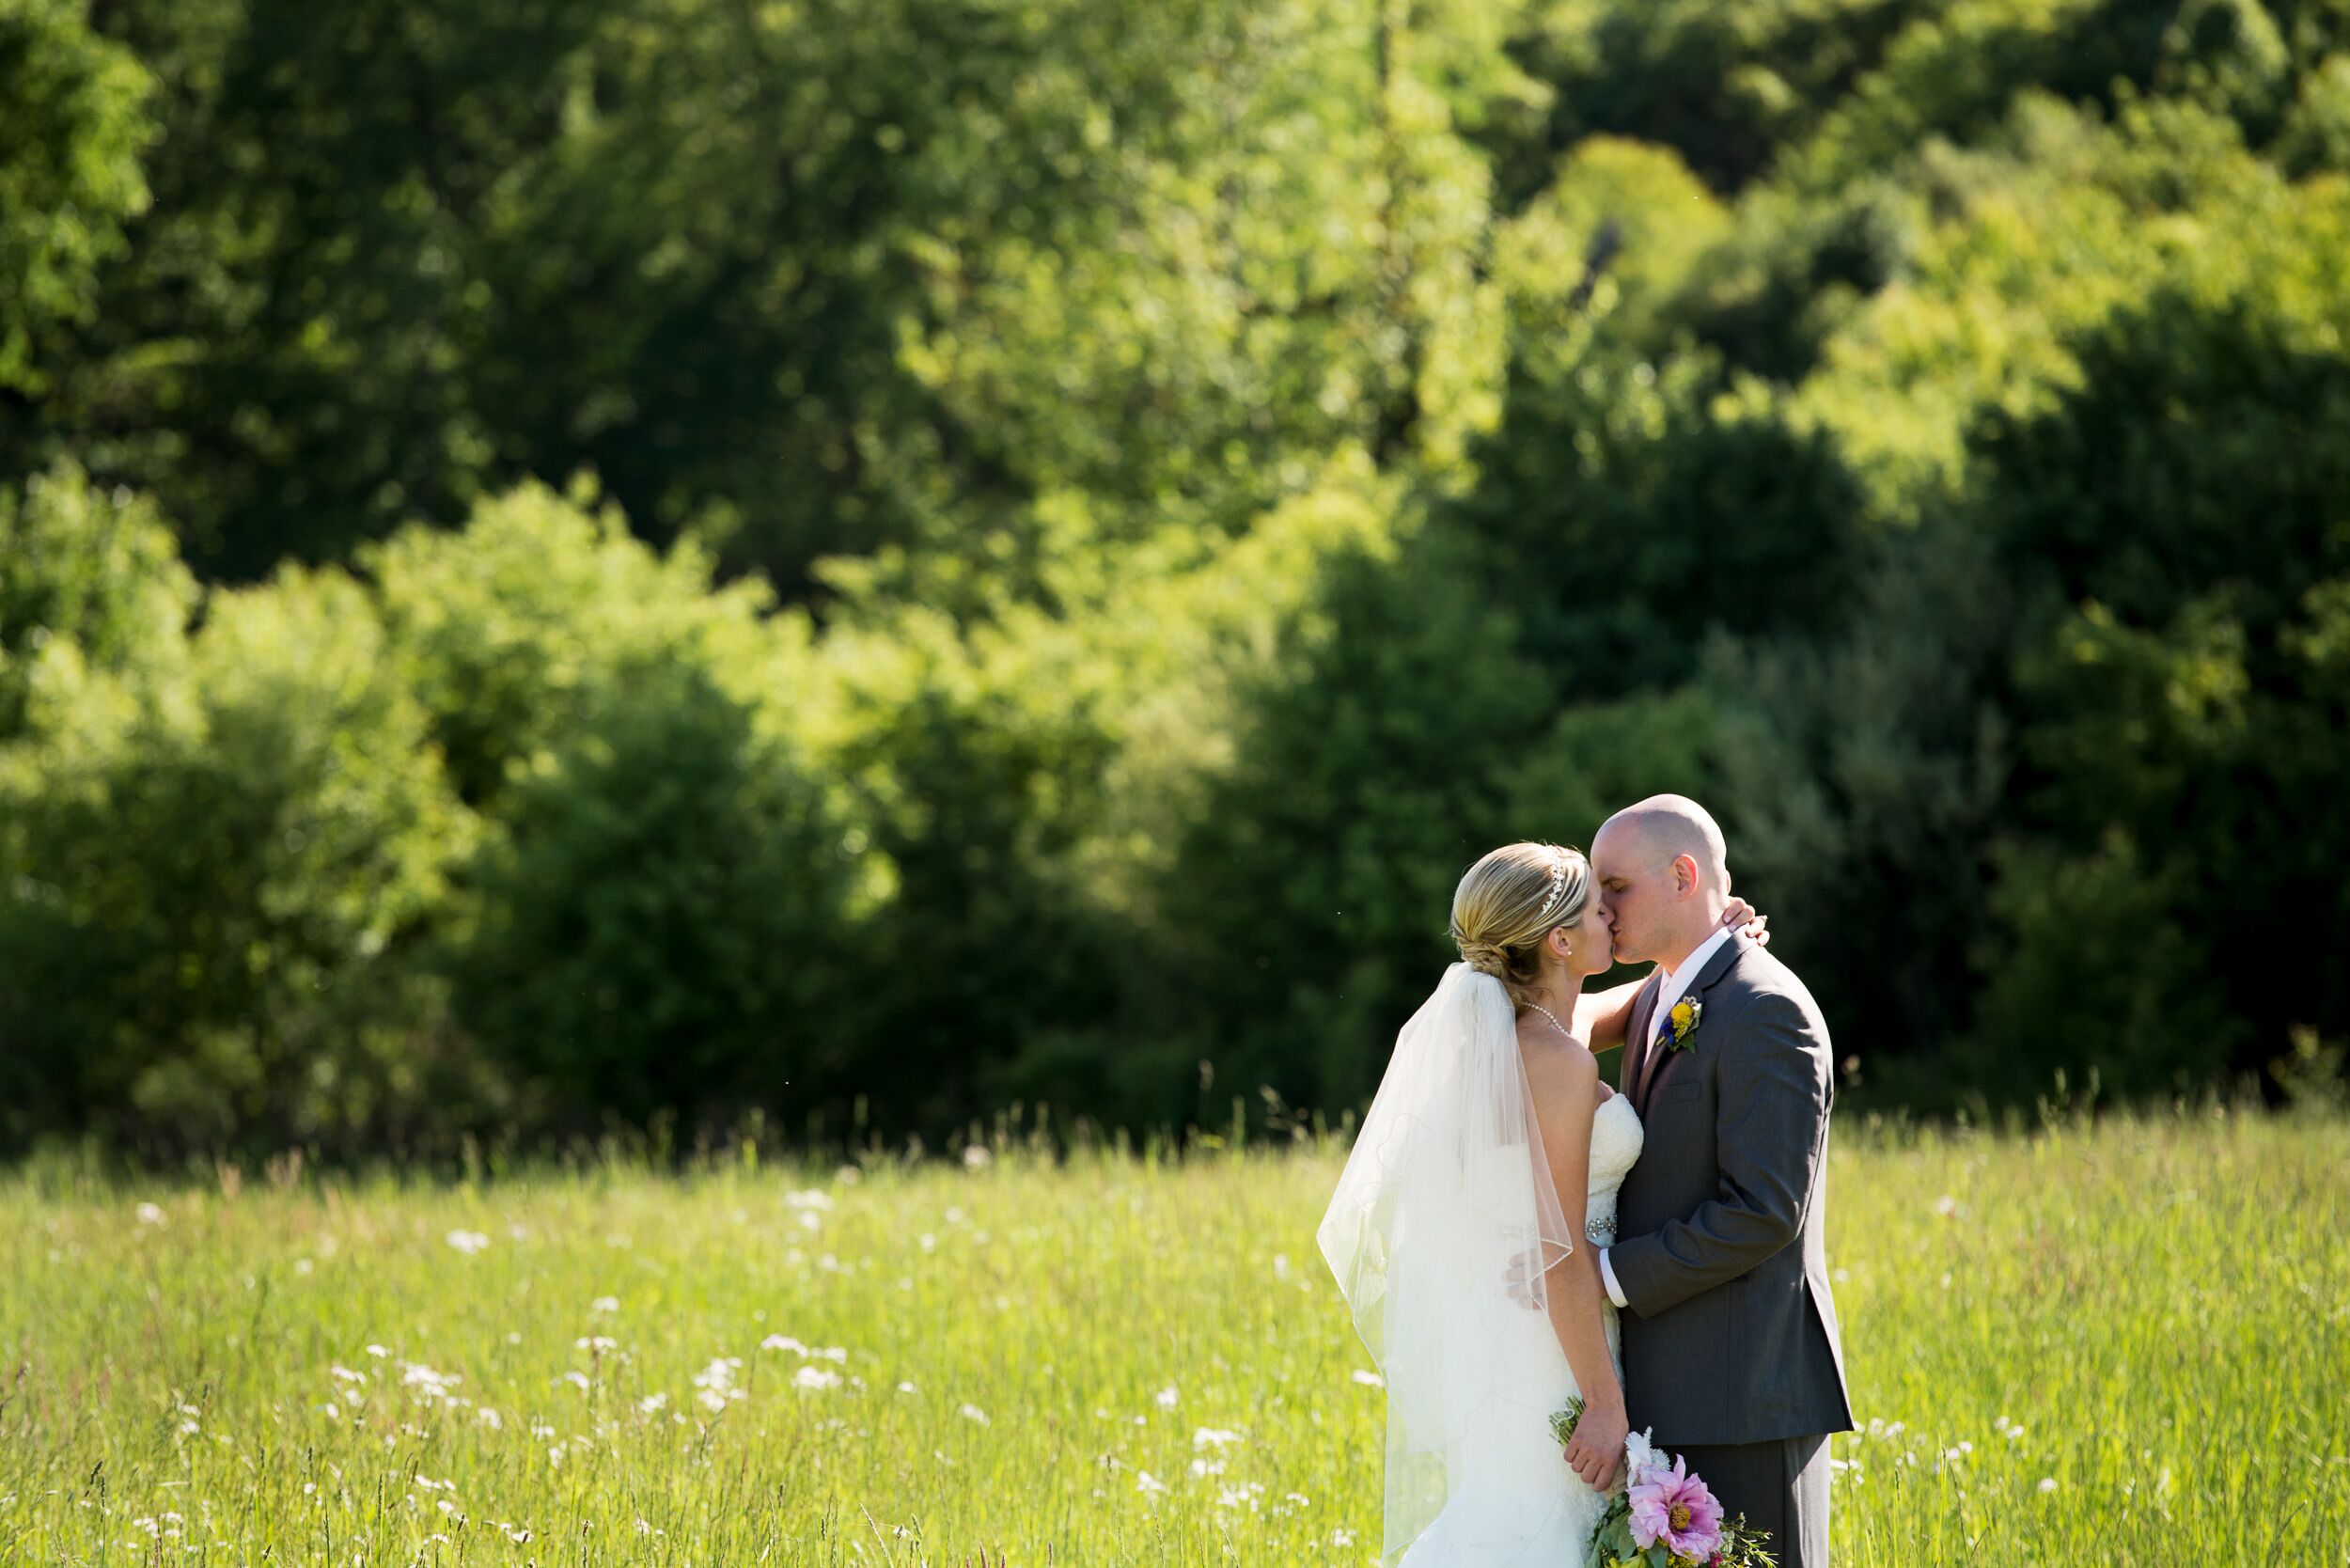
(2127, 1343)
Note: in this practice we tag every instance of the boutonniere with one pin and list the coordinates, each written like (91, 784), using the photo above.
(1684, 1019)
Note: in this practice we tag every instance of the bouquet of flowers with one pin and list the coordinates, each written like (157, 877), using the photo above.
(1665, 1517)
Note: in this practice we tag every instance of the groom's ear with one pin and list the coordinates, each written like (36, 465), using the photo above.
(1684, 874)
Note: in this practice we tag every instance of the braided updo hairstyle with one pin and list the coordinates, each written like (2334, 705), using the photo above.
(1508, 901)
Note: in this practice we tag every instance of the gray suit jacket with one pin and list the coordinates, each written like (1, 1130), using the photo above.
(1731, 1336)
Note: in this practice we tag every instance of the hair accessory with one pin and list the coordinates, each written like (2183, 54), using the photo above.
(1557, 893)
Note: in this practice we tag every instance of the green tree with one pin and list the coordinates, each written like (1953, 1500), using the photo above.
(210, 916)
(1724, 86)
(2175, 722)
(507, 626)
(1623, 516)
(1307, 910)
(92, 596)
(660, 921)
(72, 123)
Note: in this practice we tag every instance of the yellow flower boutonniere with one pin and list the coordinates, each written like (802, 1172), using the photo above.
(1684, 1019)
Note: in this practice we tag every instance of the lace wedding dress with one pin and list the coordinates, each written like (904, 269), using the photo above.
(1517, 1502)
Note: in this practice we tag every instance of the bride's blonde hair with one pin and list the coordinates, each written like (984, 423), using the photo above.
(1508, 901)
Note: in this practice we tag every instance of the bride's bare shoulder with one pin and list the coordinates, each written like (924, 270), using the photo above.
(1554, 1059)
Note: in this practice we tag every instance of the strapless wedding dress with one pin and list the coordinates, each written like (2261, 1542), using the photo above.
(1519, 1502)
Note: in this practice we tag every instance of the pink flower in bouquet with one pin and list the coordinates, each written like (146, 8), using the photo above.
(1675, 1507)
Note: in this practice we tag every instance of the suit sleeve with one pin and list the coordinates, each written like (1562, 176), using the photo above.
(1771, 1109)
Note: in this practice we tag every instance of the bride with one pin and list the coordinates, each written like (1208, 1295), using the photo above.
(1490, 1156)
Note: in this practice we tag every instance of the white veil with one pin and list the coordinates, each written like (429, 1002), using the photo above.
(1446, 1192)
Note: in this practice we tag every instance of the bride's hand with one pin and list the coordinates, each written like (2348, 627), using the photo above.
(1596, 1451)
(1739, 916)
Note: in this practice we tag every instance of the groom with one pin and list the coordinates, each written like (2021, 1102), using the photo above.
(1730, 1340)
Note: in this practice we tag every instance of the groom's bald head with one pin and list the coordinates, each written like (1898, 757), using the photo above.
(1664, 877)
(1662, 828)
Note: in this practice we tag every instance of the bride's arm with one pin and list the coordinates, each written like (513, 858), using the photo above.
(1566, 1096)
(1603, 1016)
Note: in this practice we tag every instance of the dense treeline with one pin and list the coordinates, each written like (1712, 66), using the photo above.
(564, 562)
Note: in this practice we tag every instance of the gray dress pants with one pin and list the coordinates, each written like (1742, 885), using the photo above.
(1780, 1487)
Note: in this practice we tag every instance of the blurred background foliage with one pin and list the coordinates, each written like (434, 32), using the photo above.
(576, 563)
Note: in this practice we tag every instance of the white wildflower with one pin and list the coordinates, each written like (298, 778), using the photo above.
(435, 1384)
(716, 1382)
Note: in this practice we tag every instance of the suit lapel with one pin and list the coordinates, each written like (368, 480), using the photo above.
(1635, 1037)
(1715, 967)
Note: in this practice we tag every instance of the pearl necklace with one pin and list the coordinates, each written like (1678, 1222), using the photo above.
(1553, 1019)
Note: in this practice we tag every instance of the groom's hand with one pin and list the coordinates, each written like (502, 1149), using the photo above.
(1517, 1279)
(1596, 1451)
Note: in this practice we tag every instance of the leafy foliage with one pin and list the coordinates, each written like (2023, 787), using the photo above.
(659, 925)
(210, 917)
(875, 562)
(73, 122)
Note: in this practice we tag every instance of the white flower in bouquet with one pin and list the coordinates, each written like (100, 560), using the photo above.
(1641, 1457)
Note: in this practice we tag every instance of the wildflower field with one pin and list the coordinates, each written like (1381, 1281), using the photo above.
(2122, 1343)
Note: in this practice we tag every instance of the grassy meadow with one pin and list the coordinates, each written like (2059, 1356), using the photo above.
(2120, 1343)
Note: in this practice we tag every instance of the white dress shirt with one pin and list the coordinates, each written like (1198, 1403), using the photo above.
(1675, 986)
